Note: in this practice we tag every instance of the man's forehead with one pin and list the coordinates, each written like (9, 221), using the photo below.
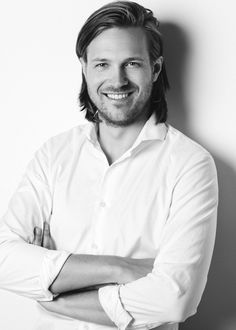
(115, 42)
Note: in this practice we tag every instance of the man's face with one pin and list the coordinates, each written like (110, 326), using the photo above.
(119, 75)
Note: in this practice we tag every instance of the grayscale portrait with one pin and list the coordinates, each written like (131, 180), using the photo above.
(118, 165)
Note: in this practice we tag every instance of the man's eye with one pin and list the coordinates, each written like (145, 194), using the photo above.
(133, 64)
(101, 65)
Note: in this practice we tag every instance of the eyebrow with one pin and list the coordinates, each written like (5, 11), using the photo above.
(97, 59)
(133, 58)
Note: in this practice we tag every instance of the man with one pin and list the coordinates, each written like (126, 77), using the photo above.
(121, 210)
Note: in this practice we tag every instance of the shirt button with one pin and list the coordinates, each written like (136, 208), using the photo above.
(102, 204)
(94, 246)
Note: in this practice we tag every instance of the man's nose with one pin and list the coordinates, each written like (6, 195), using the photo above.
(119, 77)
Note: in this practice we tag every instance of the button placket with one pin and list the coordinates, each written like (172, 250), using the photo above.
(99, 212)
(105, 194)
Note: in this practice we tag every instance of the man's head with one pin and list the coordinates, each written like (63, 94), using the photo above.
(121, 52)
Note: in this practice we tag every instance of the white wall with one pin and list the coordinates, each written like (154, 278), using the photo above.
(39, 83)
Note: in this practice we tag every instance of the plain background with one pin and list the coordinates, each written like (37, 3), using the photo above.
(39, 85)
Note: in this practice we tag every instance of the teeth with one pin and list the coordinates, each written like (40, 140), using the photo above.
(117, 96)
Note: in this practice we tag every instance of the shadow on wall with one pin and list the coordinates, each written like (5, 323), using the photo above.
(217, 308)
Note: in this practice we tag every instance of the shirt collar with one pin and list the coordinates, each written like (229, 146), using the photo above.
(150, 131)
(90, 130)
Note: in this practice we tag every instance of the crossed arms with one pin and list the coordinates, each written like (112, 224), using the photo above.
(82, 275)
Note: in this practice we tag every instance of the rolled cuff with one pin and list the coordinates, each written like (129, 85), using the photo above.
(51, 266)
(109, 297)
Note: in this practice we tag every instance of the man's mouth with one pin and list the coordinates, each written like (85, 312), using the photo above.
(117, 96)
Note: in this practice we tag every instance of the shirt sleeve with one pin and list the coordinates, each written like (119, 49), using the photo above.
(27, 269)
(172, 291)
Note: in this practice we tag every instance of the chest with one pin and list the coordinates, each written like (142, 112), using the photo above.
(121, 209)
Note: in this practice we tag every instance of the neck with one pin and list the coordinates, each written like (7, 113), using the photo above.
(115, 141)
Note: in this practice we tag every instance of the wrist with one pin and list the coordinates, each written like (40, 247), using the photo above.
(117, 269)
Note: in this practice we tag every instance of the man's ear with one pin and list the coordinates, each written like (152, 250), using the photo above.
(157, 66)
(84, 66)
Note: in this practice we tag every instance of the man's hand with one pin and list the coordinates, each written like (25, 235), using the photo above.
(43, 237)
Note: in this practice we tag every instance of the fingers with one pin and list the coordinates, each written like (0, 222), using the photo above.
(46, 236)
(43, 237)
(37, 236)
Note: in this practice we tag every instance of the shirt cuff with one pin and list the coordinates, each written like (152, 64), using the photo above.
(52, 264)
(109, 297)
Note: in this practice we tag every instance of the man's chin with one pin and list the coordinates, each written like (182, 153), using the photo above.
(117, 122)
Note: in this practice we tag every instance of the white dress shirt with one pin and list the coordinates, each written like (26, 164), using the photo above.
(158, 200)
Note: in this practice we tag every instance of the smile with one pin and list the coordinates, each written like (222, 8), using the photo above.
(116, 96)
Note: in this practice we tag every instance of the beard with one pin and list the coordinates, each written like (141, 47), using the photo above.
(130, 118)
(135, 110)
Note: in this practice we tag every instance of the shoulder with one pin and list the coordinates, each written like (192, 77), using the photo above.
(68, 137)
(65, 143)
(186, 154)
(182, 145)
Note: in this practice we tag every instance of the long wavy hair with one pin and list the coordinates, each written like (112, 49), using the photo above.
(125, 14)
